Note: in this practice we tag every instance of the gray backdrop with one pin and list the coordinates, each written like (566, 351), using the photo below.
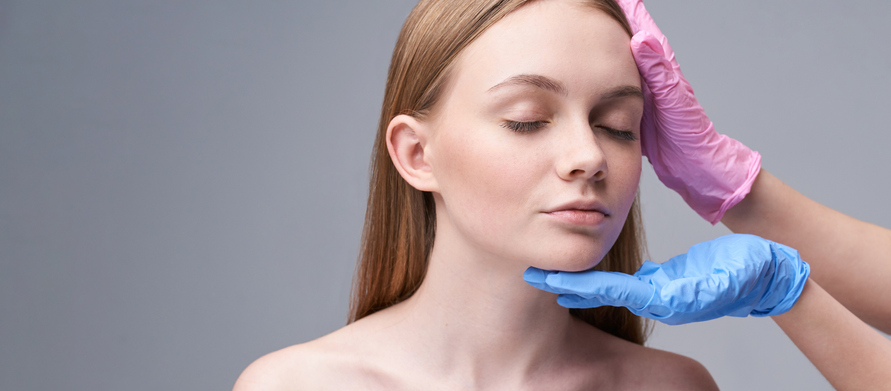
(182, 184)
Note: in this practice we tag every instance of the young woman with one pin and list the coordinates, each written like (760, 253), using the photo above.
(509, 138)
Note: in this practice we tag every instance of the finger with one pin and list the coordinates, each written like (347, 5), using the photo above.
(536, 277)
(672, 97)
(576, 301)
(656, 69)
(640, 20)
(649, 144)
(609, 287)
(659, 313)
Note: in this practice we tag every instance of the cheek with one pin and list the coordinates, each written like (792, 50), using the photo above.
(625, 176)
(624, 161)
(483, 180)
(629, 177)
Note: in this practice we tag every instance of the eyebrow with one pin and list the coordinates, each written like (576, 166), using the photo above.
(538, 81)
(546, 83)
(621, 92)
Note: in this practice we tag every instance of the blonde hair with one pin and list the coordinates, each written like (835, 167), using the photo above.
(400, 220)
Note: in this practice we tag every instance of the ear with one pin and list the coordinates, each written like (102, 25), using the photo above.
(407, 142)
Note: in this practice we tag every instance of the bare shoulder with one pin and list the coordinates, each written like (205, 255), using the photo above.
(291, 368)
(320, 364)
(677, 372)
(650, 368)
(634, 367)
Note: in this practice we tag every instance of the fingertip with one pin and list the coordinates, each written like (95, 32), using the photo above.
(586, 281)
(644, 41)
(537, 278)
(534, 275)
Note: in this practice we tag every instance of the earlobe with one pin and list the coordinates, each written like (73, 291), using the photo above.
(407, 142)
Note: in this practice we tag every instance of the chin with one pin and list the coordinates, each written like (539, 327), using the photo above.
(572, 261)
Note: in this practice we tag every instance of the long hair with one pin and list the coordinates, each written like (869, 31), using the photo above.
(400, 220)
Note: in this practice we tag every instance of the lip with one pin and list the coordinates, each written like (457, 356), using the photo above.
(580, 212)
(582, 205)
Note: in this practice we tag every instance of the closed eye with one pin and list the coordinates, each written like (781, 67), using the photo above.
(621, 134)
(524, 127)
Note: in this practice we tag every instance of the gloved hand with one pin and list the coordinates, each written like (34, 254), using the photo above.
(735, 275)
(711, 171)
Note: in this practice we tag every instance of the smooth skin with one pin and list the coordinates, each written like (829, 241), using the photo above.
(850, 354)
(474, 324)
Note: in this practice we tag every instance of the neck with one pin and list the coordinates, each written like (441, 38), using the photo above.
(478, 320)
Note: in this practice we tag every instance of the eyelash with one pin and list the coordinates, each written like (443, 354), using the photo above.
(526, 127)
(622, 134)
(523, 127)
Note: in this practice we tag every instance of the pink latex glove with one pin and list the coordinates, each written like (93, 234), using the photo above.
(711, 171)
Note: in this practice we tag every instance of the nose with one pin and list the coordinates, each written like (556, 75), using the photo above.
(580, 155)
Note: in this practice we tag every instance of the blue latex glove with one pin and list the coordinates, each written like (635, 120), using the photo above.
(735, 275)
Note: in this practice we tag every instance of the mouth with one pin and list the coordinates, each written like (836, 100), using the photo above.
(582, 212)
(581, 205)
(579, 217)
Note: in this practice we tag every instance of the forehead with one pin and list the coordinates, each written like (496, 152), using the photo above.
(565, 40)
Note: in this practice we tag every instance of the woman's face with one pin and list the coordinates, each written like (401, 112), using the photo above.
(534, 143)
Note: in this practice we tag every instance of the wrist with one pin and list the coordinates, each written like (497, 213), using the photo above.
(793, 314)
(741, 192)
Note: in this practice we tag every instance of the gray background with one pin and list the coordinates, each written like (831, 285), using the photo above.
(182, 184)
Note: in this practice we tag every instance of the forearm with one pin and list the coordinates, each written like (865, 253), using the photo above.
(848, 257)
(850, 354)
